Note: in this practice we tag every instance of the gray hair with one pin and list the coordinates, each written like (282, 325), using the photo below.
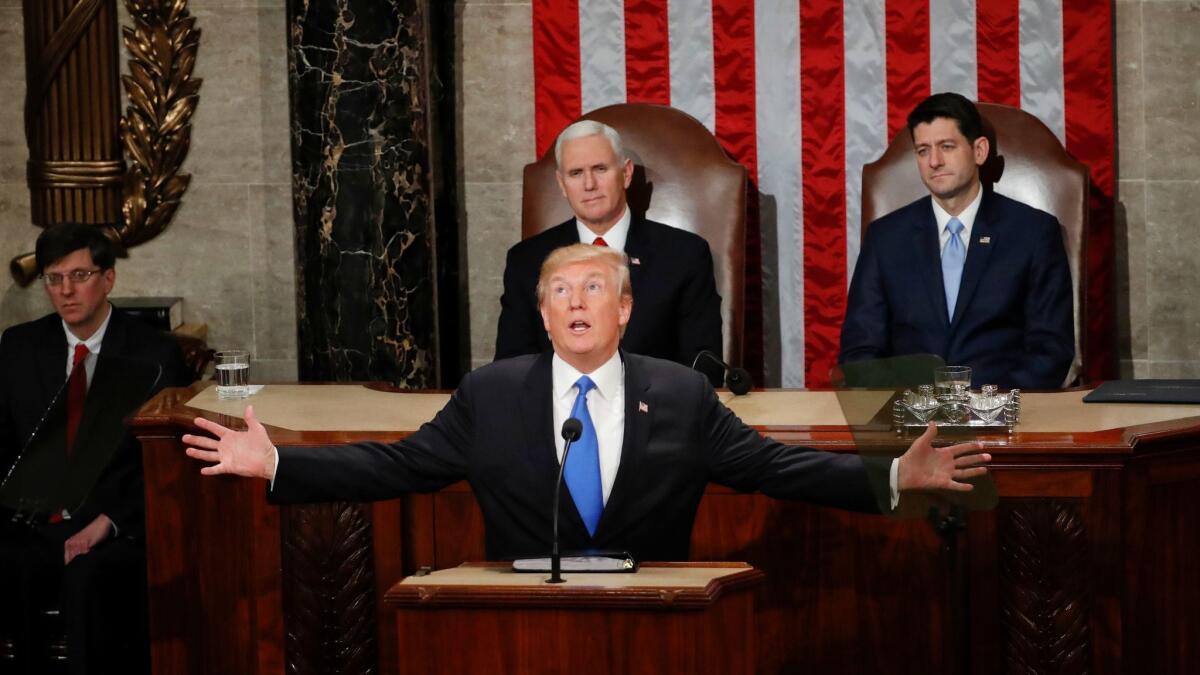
(585, 128)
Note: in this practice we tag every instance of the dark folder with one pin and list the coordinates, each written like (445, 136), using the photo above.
(1146, 391)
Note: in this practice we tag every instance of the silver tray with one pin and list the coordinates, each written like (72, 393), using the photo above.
(912, 411)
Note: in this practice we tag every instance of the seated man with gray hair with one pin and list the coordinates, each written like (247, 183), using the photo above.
(677, 311)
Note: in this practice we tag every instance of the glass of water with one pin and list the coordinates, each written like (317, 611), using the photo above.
(952, 383)
(233, 374)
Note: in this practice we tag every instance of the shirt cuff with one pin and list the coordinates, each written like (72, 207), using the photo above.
(894, 482)
(275, 467)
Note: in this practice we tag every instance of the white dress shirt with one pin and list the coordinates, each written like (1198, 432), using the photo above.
(93, 345)
(614, 236)
(967, 218)
(606, 406)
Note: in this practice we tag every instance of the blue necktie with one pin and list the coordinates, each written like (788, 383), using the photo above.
(953, 258)
(582, 472)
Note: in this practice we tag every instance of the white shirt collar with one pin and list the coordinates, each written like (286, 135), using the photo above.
(607, 377)
(93, 343)
(967, 218)
(615, 236)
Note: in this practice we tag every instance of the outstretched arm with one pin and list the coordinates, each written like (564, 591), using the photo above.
(247, 453)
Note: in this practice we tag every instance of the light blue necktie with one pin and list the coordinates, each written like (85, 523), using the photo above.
(583, 462)
(953, 258)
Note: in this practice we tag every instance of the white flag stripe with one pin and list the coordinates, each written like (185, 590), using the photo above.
(1042, 88)
(601, 53)
(777, 127)
(690, 41)
(866, 108)
(952, 51)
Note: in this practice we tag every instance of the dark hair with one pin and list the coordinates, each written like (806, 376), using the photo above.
(59, 241)
(950, 106)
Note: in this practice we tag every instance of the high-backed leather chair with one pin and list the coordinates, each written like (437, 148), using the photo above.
(683, 178)
(1027, 163)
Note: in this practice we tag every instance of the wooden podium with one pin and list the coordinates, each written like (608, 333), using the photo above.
(665, 618)
(1083, 566)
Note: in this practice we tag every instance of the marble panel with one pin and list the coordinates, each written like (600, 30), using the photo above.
(493, 220)
(361, 183)
(13, 151)
(273, 271)
(205, 257)
(1130, 262)
(1172, 276)
(227, 133)
(495, 91)
(1172, 90)
(1131, 122)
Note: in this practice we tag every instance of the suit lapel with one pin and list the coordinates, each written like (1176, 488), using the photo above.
(639, 418)
(927, 256)
(537, 416)
(106, 376)
(51, 360)
(640, 250)
(978, 253)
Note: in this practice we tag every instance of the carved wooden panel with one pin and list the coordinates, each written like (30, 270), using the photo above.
(1046, 595)
(329, 599)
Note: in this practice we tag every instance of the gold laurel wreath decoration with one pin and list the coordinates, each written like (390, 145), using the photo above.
(156, 128)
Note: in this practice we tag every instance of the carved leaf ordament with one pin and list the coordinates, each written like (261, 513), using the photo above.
(156, 128)
(1046, 607)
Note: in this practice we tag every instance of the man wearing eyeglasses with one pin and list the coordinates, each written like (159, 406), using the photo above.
(62, 376)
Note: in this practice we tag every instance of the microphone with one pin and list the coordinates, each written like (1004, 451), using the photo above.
(737, 379)
(572, 429)
(19, 516)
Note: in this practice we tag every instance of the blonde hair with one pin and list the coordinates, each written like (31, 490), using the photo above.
(616, 261)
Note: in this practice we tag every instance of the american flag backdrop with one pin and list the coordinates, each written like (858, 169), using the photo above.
(804, 93)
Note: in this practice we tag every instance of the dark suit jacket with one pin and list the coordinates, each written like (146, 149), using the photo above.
(676, 308)
(497, 433)
(33, 359)
(1012, 323)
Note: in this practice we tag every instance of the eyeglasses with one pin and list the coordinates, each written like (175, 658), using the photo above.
(76, 276)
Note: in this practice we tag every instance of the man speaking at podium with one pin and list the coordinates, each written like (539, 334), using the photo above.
(654, 434)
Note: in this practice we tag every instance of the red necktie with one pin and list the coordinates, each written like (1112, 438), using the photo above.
(599, 242)
(76, 394)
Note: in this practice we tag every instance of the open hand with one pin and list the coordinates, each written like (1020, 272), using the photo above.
(243, 453)
(86, 539)
(925, 467)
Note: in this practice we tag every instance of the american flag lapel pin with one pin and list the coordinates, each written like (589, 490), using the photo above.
(985, 240)
(642, 407)
(635, 261)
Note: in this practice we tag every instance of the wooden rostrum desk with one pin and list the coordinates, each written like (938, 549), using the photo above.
(1086, 565)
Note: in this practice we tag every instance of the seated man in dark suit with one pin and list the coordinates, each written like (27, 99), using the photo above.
(678, 309)
(967, 274)
(654, 434)
(64, 371)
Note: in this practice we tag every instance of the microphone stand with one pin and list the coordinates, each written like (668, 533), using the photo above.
(570, 432)
(737, 379)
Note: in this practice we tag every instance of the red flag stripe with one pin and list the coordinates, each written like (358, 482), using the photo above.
(555, 69)
(998, 48)
(907, 24)
(647, 52)
(1088, 108)
(823, 166)
(735, 122)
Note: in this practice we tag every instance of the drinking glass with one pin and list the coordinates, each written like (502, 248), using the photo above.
(233, 374)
